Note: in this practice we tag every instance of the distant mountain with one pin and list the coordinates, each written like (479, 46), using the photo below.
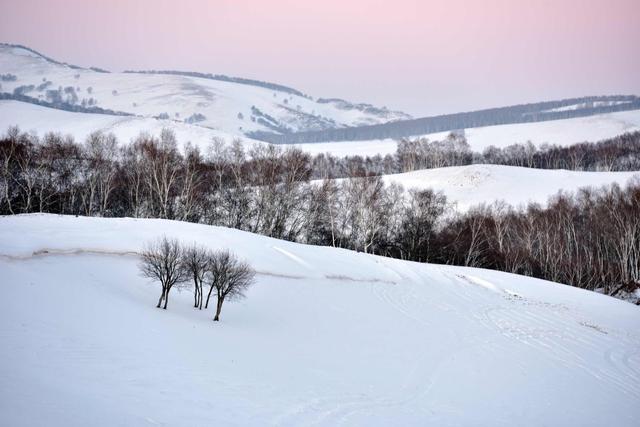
(212, 104)
(525, 113)
(236, 106)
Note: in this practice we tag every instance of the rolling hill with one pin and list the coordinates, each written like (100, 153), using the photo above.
(325, 337)
(231, 105)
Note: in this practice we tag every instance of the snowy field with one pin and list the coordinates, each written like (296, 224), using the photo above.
(473, 185)
(325, 337)
(560, 132)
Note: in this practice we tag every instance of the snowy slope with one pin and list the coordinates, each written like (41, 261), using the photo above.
(40, 120)
(561, 132)
(473, 185)
(326, 337)
(226, 106)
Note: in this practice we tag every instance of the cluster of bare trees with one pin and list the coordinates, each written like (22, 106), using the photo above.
(175, 266)
(424, 154)
(583, 241)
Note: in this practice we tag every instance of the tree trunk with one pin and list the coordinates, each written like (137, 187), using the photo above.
(218, 309)
(161, 298)
(166, 298)
(196, 293)
(208, 296)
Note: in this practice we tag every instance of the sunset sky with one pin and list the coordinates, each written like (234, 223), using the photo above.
(421, 56)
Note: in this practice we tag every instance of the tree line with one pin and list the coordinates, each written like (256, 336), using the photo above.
(590, 239)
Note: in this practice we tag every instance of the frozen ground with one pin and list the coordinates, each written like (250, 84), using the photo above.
(326, 337)
(476, 184)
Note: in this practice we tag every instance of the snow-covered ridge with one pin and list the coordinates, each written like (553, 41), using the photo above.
(469, 186)
(232, 105)
(560, 132)
(326, 337)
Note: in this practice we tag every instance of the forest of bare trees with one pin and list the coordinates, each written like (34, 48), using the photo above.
(590, 239)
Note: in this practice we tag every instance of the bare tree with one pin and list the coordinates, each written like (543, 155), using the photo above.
(161, 261)
(229, 276)
(191, 183)
(195, 262)
(99, 170)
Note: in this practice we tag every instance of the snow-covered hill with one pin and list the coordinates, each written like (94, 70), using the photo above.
(30, 117)
(226, 106)
(473, 185)
(40, 120)
(561, 132)
(326, 337)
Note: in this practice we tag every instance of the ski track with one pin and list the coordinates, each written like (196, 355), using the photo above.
(551, 329)
(403, 298)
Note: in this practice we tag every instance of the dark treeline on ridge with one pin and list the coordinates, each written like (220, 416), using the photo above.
(524, 113)
(590, 239)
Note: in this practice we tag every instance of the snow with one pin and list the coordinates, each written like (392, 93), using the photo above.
(560, 132)
(326, 337)
(473, 185)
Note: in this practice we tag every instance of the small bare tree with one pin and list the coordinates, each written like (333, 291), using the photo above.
(230, 277)
(161, 261)
(195, 262)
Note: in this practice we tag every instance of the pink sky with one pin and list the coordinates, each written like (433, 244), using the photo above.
(424, 57)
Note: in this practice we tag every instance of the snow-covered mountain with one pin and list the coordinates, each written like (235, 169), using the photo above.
(326, 337)
(231, 105)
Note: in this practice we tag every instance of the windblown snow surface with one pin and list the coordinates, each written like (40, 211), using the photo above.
(325, 337)
(473, 185)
